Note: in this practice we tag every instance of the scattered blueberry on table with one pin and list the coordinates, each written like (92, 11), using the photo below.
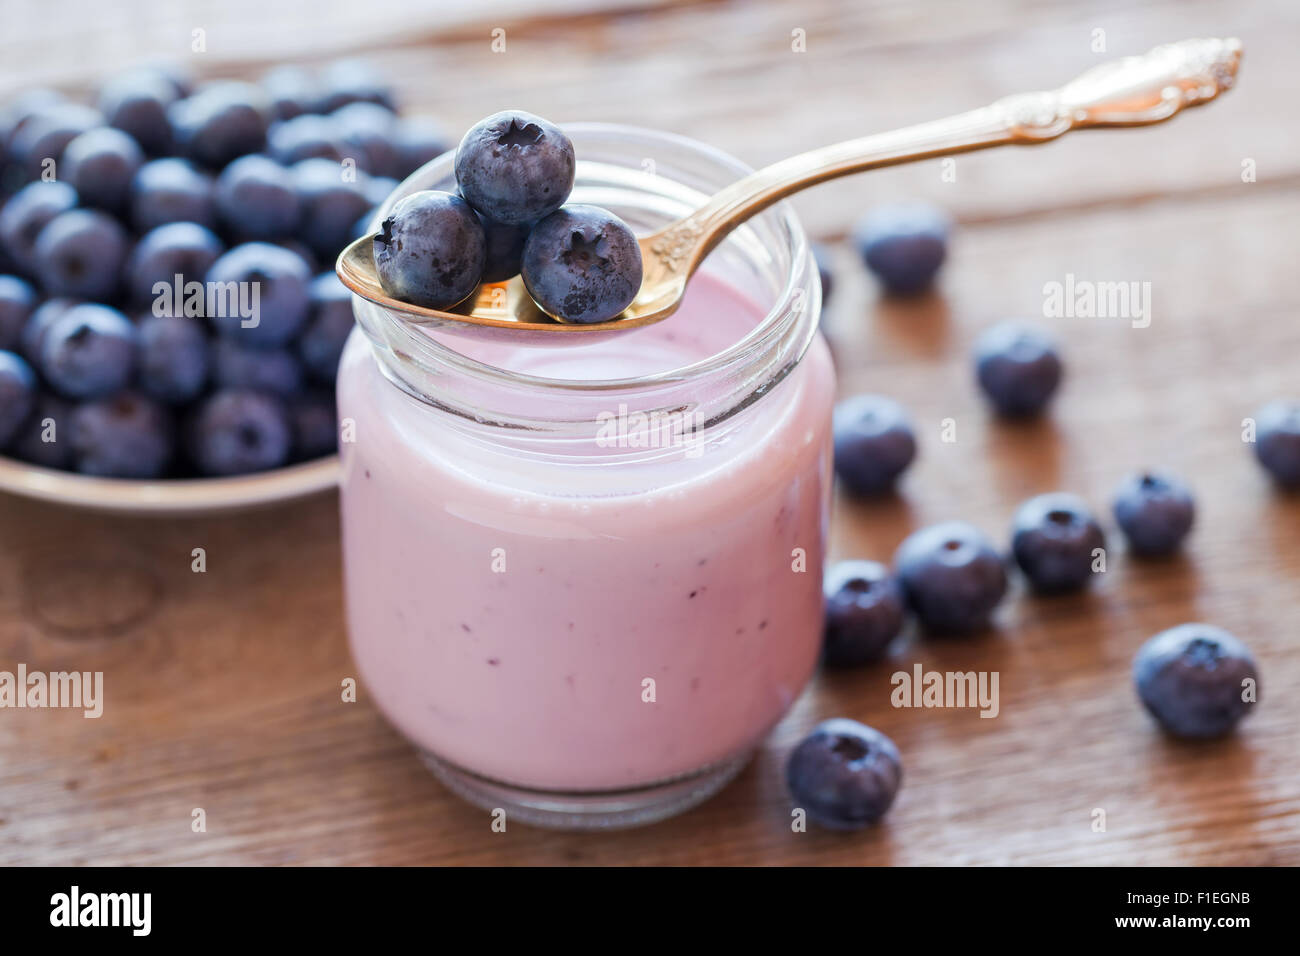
(904, 244)
(1055, 540)
(1196, 680)
(1277, 441)
(953, 577)
(1018, 368)
(865, 611)
(1155, 511)
(844, 774)
(874, 443)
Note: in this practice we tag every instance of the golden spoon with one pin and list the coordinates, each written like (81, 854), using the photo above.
(1134, 91)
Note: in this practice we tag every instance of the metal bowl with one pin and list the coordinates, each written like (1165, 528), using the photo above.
(187, 496)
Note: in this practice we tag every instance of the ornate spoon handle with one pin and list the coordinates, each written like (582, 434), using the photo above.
(1134, 91)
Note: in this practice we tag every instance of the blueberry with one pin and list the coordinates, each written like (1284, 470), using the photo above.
(292, 91)
(505, 249)
(418, 141)
(136, 102)
(22, 109)
(312, 420)
(333, 199)
(844, 774)
(300, 250)
(582, 264)
(121, 436)
(321, 342)
(43, 437)
(183, 249)
(268, 370)
(825, 272)
(172, 190)
(257, 199)
(366, 130)
(220, 122)
(27, 213)
(1053, 540)
(43, 138)
(874, 443)
(17, 394)
(89, 351)
(1277, 441)
(34, 332)
(864, 612)
(904, 244)
(306, 137)
(1155, 512)
(953, 577)
(278, 279)
(515, 167)
(354, 81)
(1193, 678)
(17, 302)
(236, 431)
(1018, 368)
(430, 250)
(174, 358)
(80, 253)
(100, 165)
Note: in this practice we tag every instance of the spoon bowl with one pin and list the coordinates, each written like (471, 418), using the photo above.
(506, 308)
(1130, 92)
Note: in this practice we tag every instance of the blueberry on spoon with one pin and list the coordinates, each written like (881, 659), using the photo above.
(514, 167)
(582, 264)
(430, 250)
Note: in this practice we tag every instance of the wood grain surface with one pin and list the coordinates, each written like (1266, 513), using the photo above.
(222, 688)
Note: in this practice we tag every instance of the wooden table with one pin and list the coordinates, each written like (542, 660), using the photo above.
(223, 687)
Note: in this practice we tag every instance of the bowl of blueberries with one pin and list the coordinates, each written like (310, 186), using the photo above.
(170, 319)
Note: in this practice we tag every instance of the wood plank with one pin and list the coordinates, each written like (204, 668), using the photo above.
(223, 688)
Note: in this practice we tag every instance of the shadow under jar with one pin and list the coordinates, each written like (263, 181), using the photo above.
(585, 579)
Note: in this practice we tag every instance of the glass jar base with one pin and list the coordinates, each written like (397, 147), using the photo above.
(598, 810)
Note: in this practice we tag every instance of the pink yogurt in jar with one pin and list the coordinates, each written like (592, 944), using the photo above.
(585, 579)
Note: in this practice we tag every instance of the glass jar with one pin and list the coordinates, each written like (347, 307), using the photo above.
(586, 580)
